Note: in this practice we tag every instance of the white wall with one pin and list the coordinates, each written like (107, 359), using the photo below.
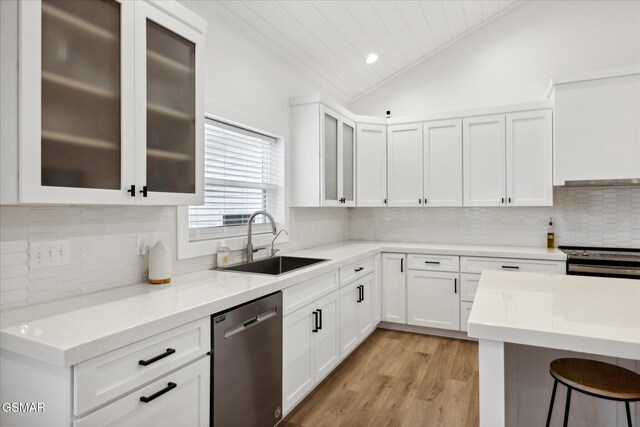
(244, 83)
(512, 59)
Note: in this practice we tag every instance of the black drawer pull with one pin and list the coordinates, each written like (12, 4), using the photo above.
(169, 352)
(432, 262)
(511, 267)
(316, 327)
(169, 387)
(359, 269)
(320, 319)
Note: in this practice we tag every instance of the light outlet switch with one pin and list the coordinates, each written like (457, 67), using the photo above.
(48, 253)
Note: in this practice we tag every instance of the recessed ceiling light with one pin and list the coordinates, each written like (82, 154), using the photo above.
(372, 58)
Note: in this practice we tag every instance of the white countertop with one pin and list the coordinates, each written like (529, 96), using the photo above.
(587, 314)
(69, 331)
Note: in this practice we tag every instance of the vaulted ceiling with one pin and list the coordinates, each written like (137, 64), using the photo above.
(332, 38)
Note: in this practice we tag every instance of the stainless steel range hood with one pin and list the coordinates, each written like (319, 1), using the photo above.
(602, 183)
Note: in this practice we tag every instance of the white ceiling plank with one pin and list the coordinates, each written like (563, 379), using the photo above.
(472, 12)
(434, 13)
(454, 12)
(344, 23)
(506, 4)
(265, 30)
(389, 14)
(366, 17)
(418, 25)
(490, 8)
(325, 33)
(279, 19)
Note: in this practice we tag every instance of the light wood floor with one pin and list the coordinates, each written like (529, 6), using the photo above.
(397, 379)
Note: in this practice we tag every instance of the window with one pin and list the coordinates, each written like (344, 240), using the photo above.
(244, 173)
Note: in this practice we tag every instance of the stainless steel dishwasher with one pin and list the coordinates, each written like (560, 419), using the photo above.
(246, 364)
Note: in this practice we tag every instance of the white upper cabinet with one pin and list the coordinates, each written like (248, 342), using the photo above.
(404, 159)
(371, 165)
(508, 159)
(529, 158)
(89, 72)
(442, 163)
(324, 154)
(484, 160)
(597, 126)
(169, 108)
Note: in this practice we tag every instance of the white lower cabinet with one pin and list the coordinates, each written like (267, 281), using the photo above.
(356, 313)
(433, 299)
(394, 287)
(377, 288)
(311, 347)
(177, 399)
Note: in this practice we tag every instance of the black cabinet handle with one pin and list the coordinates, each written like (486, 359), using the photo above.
(502, 200)
(385, 201)
(455, 286)
(425, 201)
(144, 191)
(315, 321)
(432, 262)
(401, 265)
(511, 267)
(359, 269)
(419, 201)
(132, 190)
(169, 387)
(320, 319)
(509, 199)
(362, 295)
(169, 352)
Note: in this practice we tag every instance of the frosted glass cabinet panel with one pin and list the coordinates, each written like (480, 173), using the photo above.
(169, 108)
(330, 158)
(81, 140)
(348, 164)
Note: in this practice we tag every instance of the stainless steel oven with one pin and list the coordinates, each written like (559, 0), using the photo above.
(603, 262)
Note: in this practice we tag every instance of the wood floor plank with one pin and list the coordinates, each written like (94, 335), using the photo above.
(397, 379)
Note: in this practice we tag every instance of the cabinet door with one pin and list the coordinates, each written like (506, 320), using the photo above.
(185, 402)
(529, 158)
(348, 163)
(442, 151)
(394, 287)
(404, 157)
(348, 318)
(371, 165)
(365, 307)
(327, 339)
(330, 133)
(76, 101)
(484, 161)
(433, 299)
(377, 288)
(169, 109)
(298, 364)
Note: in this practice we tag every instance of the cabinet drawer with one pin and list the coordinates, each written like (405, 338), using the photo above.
(298, 296)
(113, 374)
(477, 264)
(468, 286)
(185, 402)
(356, 270)
(465, 311)
(434, 262)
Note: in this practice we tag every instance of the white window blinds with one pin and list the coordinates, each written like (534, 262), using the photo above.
(243, 174)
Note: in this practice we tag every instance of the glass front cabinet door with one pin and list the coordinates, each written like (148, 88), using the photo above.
(81, 139)
(338, 159)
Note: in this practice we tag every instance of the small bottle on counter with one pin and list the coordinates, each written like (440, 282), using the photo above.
(159, 264)
(223, 255)
(551, 235)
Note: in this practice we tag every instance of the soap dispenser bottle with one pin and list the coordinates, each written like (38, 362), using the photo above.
(551, 235)
(223, 256)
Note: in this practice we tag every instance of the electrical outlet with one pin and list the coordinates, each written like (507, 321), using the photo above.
(48, 253)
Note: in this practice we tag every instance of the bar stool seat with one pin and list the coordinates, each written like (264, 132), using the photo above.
(594, 378)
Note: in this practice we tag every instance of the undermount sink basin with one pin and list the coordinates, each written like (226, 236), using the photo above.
(275, 266)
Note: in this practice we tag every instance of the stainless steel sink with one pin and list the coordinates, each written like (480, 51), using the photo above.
(274, 266)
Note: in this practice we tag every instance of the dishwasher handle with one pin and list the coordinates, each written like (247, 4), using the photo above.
(243, 326)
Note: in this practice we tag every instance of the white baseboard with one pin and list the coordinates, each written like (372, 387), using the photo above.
(425, 331)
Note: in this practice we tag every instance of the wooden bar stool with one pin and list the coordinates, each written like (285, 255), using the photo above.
(594, 378)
